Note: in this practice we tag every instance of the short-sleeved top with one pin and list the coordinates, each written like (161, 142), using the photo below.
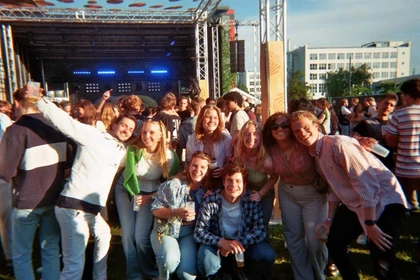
(236, 121)
(405, 123)
(301, 163)
(171, 122)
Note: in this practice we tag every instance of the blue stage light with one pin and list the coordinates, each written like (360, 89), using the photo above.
(106, 72)
(81, 72)
(135, 72)
(158, 71)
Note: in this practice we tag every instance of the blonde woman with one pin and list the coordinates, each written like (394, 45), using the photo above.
(249, 152)
(107, 115)
(148, 160)
(211, 138)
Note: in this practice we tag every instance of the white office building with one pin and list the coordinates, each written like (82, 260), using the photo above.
(385, 60)
(252, 80)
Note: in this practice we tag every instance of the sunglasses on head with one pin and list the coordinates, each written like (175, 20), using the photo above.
(283, 125)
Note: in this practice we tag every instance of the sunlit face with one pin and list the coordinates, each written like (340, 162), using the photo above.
(306, 132)
(183, 103)
(67, 109)
(233, 187)
(281, 129)
(252, 137)
(198, 169)
(386, 107)
(123, 129)
(210, 121)
(151, 135)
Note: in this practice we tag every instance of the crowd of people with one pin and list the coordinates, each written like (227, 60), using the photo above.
(194, 182)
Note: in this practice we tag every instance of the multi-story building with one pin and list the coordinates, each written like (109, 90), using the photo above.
(252, 81)
(385, 60)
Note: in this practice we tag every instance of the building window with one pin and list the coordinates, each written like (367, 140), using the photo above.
(368, 65)
(322, 56)
(384, 75)
(313, 66)
(392, 74)
(358, 65)
(341, 56)
(331, 66)
(385, 55)
(349, 55)
(375, 75)
(359, 55)
(394, 55)
(385, 65)
(313, 88)
(313, 76)
(331, 56)
(322, 66)
(376, 65)
(321, 88)
(313, 56)
(376, 55)
(368, 55)
(393, 64)
(340, 65)
(323, 76)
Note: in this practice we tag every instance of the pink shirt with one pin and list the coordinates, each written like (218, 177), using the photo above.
(301, 163)
(356, 177)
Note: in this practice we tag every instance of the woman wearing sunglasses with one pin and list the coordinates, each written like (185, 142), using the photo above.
(302, 206)
(249, 152)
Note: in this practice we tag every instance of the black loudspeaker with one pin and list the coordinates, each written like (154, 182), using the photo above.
(237, 56)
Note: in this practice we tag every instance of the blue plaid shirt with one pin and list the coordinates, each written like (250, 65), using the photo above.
(207, 229)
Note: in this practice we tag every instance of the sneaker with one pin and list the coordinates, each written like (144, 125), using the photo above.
(332, 270)
(362, 239)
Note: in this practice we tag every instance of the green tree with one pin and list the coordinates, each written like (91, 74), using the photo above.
(242, 87)
(296, 86)
(344, 83)
(227, 78)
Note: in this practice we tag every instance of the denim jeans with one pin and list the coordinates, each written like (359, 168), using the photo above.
(6, 218)
(176, 254)
(267, 207)
(302, 208)
(258, 260)
(24, 225)
(76, 226)
(136, 227)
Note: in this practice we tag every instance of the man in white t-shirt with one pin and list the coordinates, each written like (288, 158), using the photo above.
(234, 103)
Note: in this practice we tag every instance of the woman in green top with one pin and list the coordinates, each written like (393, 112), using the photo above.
(249, 152)
(148, 161)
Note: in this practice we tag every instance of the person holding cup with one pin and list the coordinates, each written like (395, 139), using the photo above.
(230, 223)
(148, 161)
(211, 137)
(175, 206)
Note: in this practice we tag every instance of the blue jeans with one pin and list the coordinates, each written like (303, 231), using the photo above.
(267, 207)
(258, 257)
(76, 227)
(24, 225)
(176, 254)
(136, 227)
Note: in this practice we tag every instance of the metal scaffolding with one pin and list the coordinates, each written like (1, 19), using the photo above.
(217, 87)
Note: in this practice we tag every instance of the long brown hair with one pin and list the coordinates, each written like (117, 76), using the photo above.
(199, 130)
(90, 117)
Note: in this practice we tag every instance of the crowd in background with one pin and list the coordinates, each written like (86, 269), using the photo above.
(63, 164)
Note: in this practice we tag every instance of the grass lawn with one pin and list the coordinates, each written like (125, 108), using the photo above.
(282, 270)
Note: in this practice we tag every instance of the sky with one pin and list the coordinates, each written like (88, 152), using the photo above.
(339, 23)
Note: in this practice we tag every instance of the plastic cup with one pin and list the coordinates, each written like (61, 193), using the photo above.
(190, 205)
(379, 150)
(33, 91)
(240, 259)
(136, 207)
(213, 164)
(322, 232)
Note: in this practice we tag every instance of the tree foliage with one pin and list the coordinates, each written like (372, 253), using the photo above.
(296, 86)
(227, 78)
(242, 87)
(348, 83)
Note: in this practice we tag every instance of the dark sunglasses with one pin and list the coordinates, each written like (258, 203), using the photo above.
(283, 125)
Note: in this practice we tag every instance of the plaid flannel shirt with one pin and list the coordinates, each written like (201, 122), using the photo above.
(207, 229)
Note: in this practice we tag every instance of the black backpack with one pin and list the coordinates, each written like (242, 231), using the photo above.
(342, 119)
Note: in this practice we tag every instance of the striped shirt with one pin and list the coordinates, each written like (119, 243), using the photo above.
(405, 123)
(356, 178)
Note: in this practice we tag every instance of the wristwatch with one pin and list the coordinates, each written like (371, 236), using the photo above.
(370, 222)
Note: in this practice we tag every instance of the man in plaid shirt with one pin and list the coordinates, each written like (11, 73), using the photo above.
(230, 223)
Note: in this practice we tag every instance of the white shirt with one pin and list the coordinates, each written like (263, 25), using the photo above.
(5, 122)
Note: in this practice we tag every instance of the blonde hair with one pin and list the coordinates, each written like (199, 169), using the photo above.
(199, 130)
(239, 147)
(168, 101)
(107, 115)
(131, 103)
(161, 146)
